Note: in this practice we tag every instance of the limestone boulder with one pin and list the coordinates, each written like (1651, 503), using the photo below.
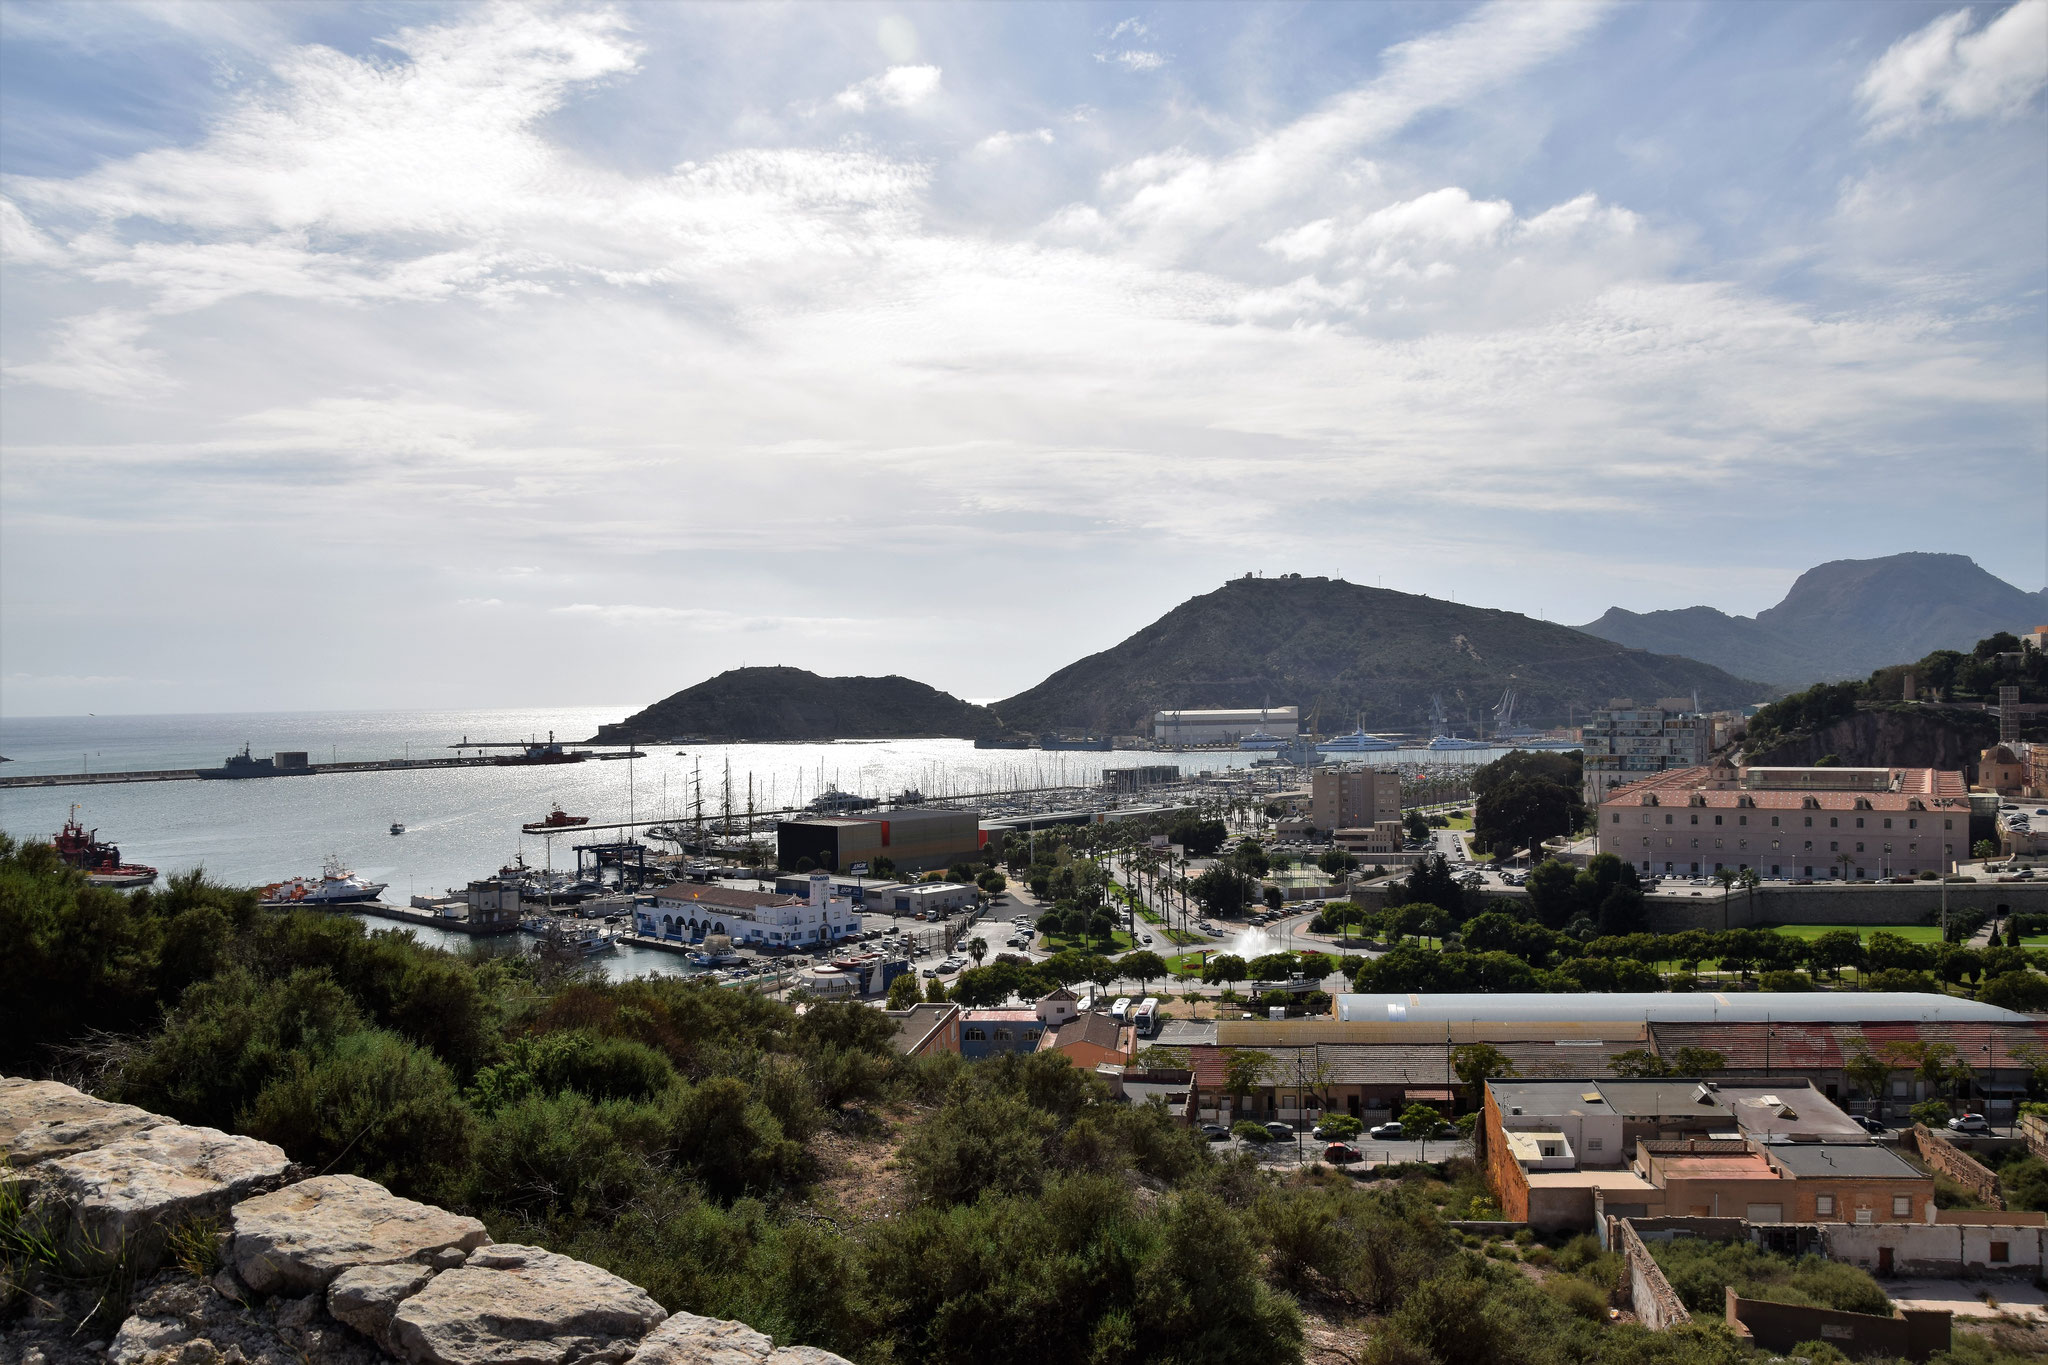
(686, 1339)
(141, 1337)
(297, 1239)
(43, 1119)
(366, 1297)
(118, 1192)
(520, 1305)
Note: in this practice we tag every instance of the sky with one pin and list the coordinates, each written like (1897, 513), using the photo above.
(394, 355)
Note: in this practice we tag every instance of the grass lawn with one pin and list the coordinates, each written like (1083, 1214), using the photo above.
(1912, 933)
(1461, 820)
(1053, 943)
(2035, 941)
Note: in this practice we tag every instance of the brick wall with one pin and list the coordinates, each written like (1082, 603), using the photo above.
(1914, 1333)
(1504, 1174)
(2034, 1128)
(1655, 1302)
(1958, 1165)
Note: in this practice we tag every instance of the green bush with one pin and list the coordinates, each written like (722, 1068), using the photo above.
(1698, 1269)
(377, 1106)
(1248, 1131)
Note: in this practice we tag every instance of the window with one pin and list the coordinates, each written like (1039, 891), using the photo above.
(2001, 1251)
(1002, 1035)
(1859, 848)
(1809, 822)
(1834, 846)
(1742, 819)
(1833, 822)
(1774, 821)
(975, 1035)
(1667, 819)
(1948, 824)
(1902, 1206)
(1887, 822)
(1594, 1144)
(1717, 819)
(1859, 822)
(1695, 819)
(1824, 1205)
(1912, 824)
(1616, 818)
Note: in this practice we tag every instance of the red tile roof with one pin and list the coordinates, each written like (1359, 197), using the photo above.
(725, 896)
(1934, 789)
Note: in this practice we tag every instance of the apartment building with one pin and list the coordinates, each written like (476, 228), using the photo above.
(1625, 743)
(1358, 798)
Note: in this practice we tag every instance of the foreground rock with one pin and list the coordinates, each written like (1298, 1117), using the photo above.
(686, 1339)
(136, 1184)
(519, 1305)
(299, 1238)
(42, 1119)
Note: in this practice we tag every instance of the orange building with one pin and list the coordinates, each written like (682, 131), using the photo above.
(1091, 1040)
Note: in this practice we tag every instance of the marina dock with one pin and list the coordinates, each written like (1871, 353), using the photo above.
(378, 765)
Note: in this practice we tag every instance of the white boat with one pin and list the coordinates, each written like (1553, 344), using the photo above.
(576, 936)
(1443, 743)
(1357, 742)
(336, 886)
(1258, 741)
(397, 828)
(708, 958)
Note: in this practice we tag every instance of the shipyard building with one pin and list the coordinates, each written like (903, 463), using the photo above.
(914, 840)
(1225, 727)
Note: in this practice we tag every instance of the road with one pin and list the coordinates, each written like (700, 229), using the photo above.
(1375, 1153)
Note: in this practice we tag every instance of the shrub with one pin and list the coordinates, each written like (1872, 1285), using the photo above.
(375, 1106)
(1250, 1132)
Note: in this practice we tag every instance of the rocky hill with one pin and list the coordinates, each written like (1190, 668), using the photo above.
(793, 704)
(1340, 650)
(1898, 736)
(1840, 620)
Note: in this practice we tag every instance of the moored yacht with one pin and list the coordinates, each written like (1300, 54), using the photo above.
(336, 886)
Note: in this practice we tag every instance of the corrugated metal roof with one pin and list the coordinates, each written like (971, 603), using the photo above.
(1674, 1007)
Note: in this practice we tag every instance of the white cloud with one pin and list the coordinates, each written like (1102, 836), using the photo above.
(1952, 70)
(1135, 27)
(98, 354)
(1134, 59)
(900, 87)
(1004, 141)
(21, 243)
(1174, 200)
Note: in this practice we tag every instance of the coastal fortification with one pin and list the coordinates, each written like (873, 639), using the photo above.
(142, 1241)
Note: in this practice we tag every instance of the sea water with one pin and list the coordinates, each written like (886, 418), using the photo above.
(464, 823)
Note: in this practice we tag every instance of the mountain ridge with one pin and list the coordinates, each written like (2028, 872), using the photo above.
(1841, 619)
(1342, 651)
(781, 703)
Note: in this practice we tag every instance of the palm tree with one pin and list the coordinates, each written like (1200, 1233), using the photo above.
(1727, 876)
(1847, 862)
(977, 948)
(1750, 882)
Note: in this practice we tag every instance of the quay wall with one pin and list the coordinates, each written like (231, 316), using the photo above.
(235, 1254)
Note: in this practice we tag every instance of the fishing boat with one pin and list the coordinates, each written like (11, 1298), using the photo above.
(336, 885)
(557, 818)
(711, 957)
(101, 863)
(571, 936)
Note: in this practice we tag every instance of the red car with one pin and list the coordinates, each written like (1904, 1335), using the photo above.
(1338, 1153)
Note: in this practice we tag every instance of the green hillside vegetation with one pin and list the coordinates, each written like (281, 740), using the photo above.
(793, 704)
(744, 1161)
(1973, 676)
(1340, 651)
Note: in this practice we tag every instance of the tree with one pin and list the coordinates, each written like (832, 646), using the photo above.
(2020, 990)
(977, 948)
(1523, 812)
(1225, 969)
(1143, 966)
(1275, 898)
(1551, 887)
(1416, 825)
(1430, 882)
(1868, 1072)
(993, 882)
(1637, 1063)
(1337, 862)
(1697, 1061)
(934, 991)
(1418, 1124)
(1244, 1071)
(1726, 876)
(1983, 849)
(1478, 1063)
(904, 992)
(1834, 950)
(1222, 891)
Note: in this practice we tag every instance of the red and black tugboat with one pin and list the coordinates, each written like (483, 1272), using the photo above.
(101, 863)
(557, 819)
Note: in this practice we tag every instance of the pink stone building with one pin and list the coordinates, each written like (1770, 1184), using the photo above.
(1824, 823)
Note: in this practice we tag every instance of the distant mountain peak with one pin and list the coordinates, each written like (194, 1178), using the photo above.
(1841, 619)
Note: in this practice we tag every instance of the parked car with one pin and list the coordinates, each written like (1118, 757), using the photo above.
(1870, 1125)
(1385, 1132)
(1445, 1131)
(1282, 1132)
(1338, 1153)
(1215, 1132)
(1970, 1123)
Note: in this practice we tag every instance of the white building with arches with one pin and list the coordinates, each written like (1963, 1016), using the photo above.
(684, 912)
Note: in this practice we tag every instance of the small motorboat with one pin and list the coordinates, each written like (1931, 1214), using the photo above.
(397, 828)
